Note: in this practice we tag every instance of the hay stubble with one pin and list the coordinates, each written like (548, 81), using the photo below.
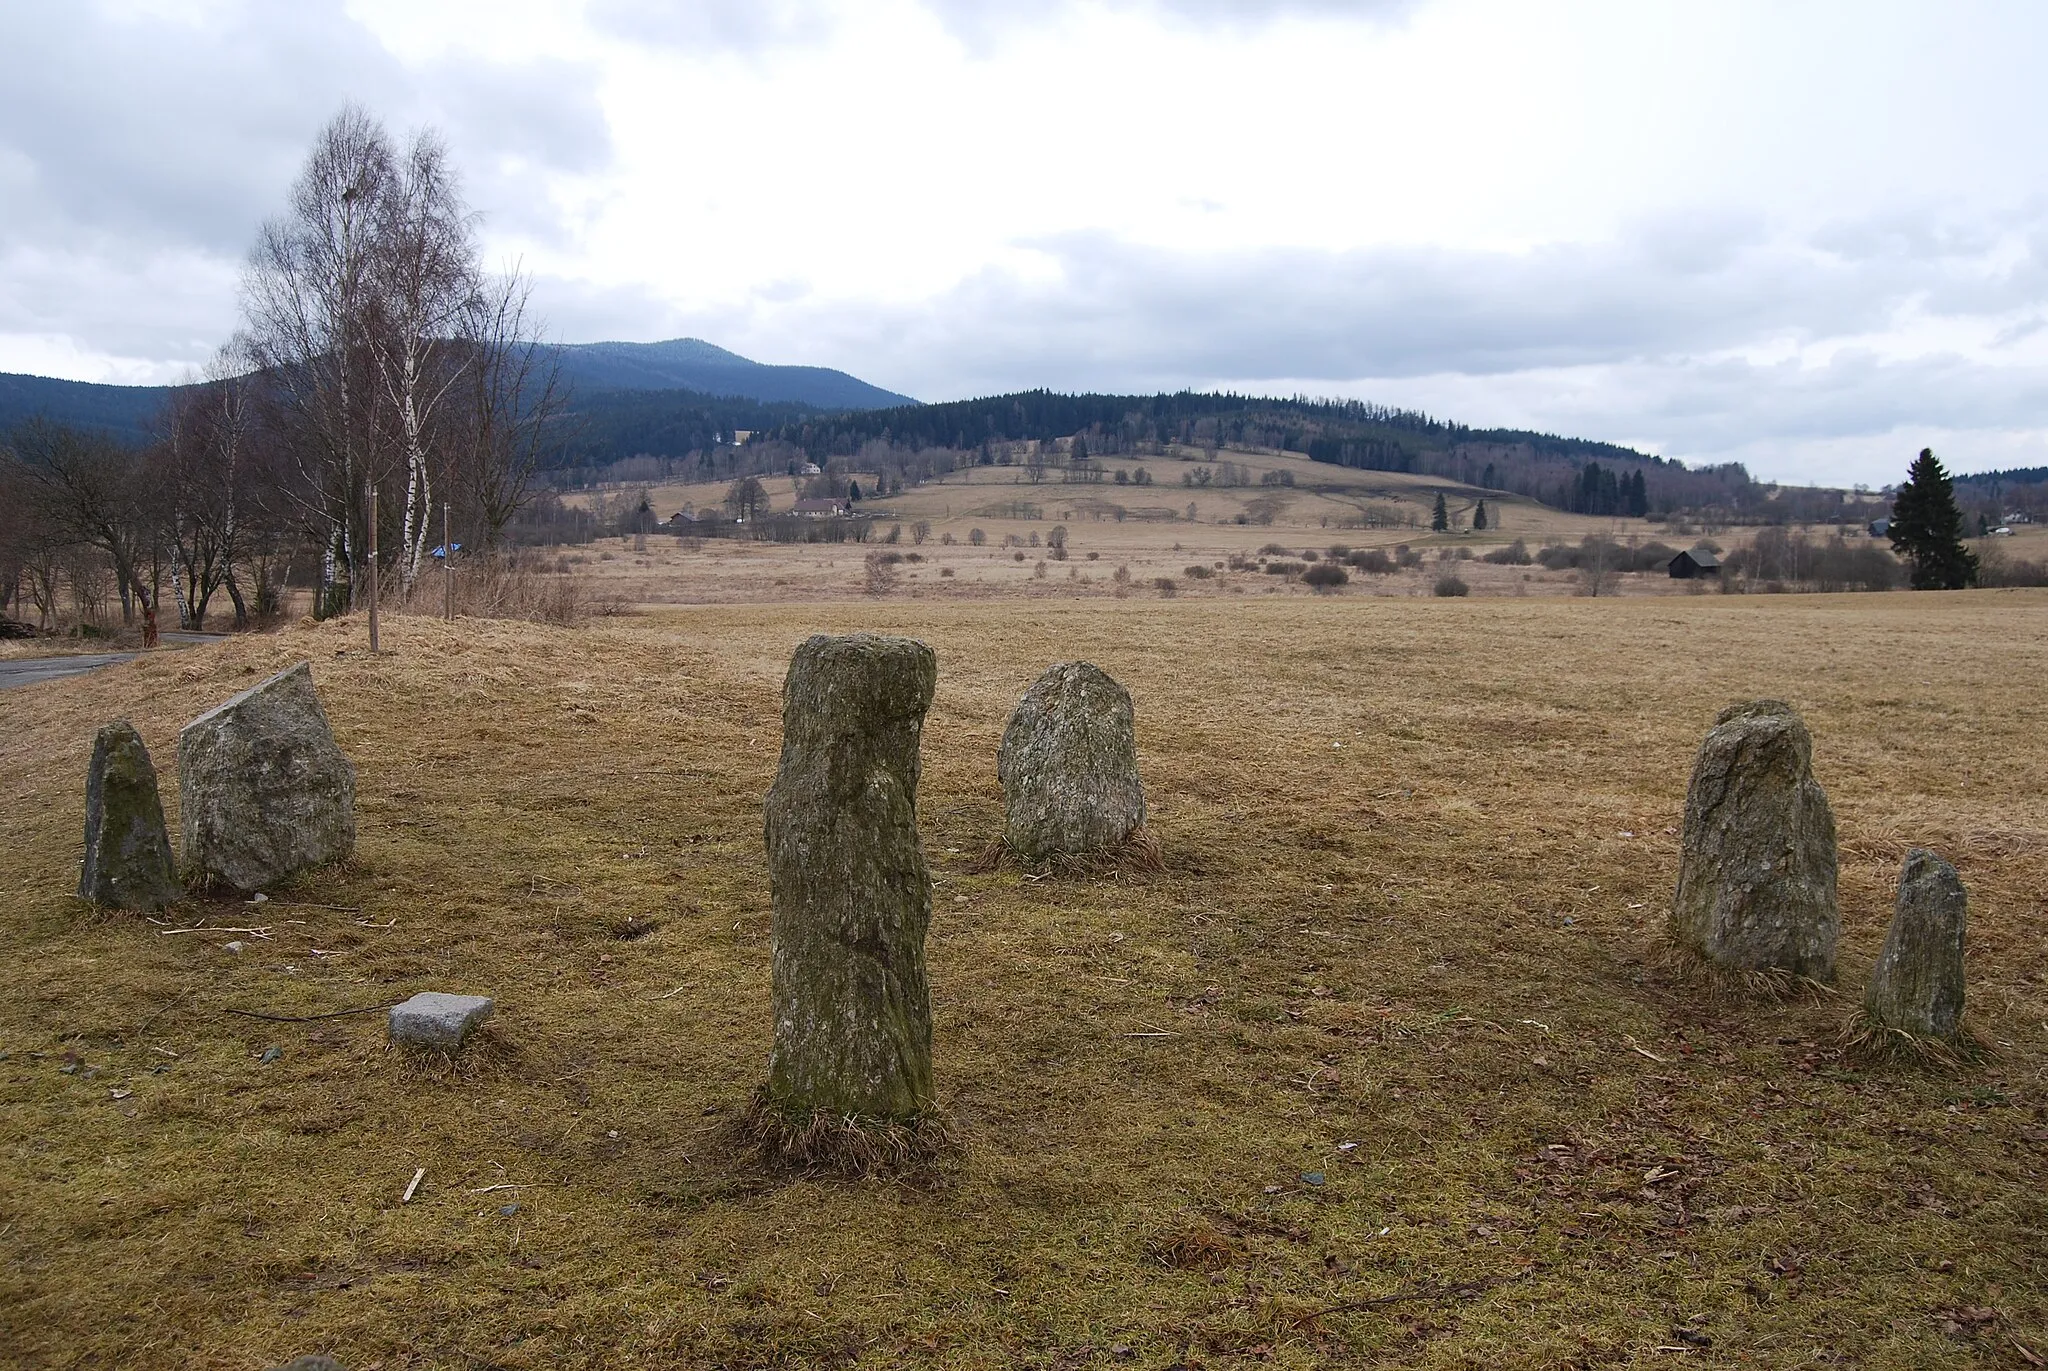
(1413, 854)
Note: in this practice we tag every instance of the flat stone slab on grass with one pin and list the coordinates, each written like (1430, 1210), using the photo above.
(434, 1019)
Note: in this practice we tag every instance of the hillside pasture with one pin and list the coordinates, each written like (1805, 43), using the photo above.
(1381, 1069)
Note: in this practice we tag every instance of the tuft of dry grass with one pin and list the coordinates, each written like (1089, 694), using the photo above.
(846, 1145)
(1137, 855)
(1385, 1018)
(1870, 1043)
(1718, 983)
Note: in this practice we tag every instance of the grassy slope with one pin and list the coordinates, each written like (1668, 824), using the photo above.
(985, 496)
(1366, 943)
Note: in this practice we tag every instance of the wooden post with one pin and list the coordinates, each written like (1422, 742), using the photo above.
(447, 569)
(373, 568)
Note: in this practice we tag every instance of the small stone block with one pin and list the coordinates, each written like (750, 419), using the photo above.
(432, 1019)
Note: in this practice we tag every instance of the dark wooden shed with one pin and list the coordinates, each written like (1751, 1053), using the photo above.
(1698, 562)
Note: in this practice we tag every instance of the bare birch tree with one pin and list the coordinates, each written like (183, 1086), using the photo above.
(309, 302)
(427, 289)
(388, 358)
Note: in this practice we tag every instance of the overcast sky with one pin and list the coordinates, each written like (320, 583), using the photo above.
(1812, 237)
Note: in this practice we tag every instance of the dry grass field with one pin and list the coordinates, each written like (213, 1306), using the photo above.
(1381, 1070)
(1153, 539)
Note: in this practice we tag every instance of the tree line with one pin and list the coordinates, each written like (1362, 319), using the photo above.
(382, 386)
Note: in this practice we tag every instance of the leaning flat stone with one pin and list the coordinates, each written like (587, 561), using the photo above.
(127, 848)
(1756, 871)
(263, 789)
(1069, 766)
(847, 875)
(1917, 986)
(432, 1019)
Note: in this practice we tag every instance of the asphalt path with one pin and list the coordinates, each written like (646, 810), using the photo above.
(26, 671)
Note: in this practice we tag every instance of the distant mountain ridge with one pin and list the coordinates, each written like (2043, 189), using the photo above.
(126, 412)
(693, 364)
(591, 369)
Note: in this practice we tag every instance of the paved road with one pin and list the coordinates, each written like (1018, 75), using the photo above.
(22, 671)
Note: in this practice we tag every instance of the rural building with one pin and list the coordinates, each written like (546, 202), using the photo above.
(1880, 528)
(820, 509)
(1698, 562)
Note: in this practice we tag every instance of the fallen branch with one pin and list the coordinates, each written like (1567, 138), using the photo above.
(413, 1185)
(307, 1018)
(262, 932)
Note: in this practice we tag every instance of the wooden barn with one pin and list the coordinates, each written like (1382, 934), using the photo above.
(1699, 562)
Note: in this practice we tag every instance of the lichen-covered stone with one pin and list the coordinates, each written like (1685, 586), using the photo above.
(263, 789)
(1756, 873)
(851, 891)
(1069, 766)
(1917, 987)
(127, 847)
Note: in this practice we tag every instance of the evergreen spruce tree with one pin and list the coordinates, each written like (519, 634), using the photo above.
(1440, 519)
(1927, 528)
(1479, 517)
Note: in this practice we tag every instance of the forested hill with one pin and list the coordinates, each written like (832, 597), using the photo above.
(127, 412)
(1573, 473)
(632, 392)
(695, 365)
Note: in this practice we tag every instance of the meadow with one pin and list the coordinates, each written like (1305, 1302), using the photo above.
(1383, 1067)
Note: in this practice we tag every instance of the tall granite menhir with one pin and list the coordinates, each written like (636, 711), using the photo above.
(263, 790)
(127, 848)
(1756, 873)
(1069, 766)
(851, 891)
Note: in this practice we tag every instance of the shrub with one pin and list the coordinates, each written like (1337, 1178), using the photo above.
(1514, 554)
(1373, 560)
(1338, 552)
(1309, 554)
(946, 540)
(1094, 556)
(881, 573)
(1017, 556)
(1325, 576)
(1450, 584)
(1197, 572)
(976, 537)
(1274, 550)
(945, 571)
(913, 556)
(1406, 556)
(1285, 568)
(1166, 586)
(1038, 572)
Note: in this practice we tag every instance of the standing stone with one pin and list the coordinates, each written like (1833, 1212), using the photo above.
(127, 848)
(1756, 876)
(1917, 987)
(852, 896)
(1069, 766)
(263, 790)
